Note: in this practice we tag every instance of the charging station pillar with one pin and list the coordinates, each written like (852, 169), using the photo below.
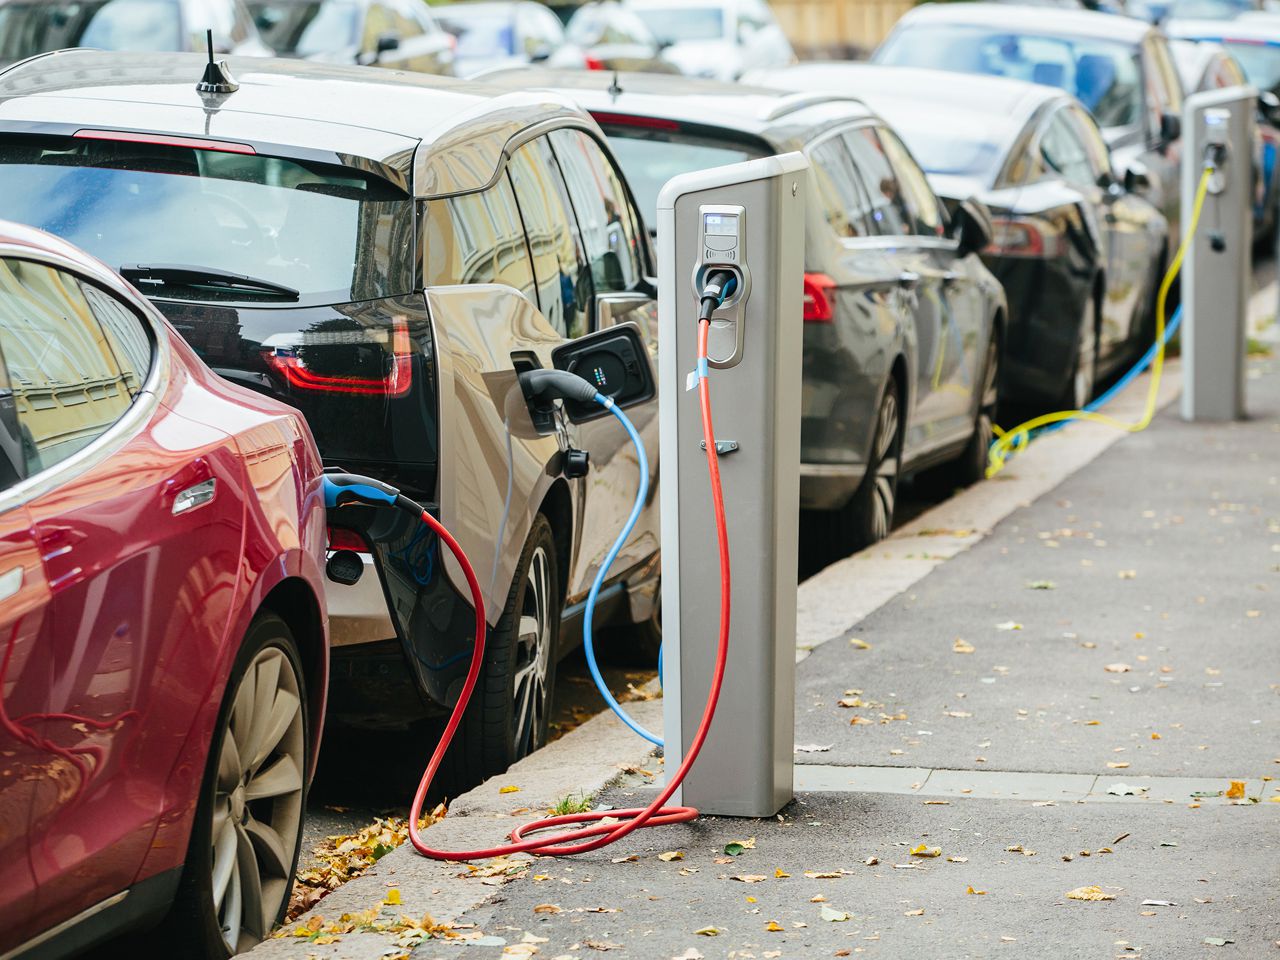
(1217, 274)
(750, 216)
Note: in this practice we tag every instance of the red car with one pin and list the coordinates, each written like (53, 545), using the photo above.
(163, 640)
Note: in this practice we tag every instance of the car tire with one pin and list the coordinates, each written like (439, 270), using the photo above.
(1083, 378)
(248, 824)
(868, 516)
(510, 710)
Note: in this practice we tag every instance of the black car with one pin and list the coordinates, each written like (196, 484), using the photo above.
(386, 252)
(1077, 247)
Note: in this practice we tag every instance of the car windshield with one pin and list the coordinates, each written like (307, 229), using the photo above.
(1261, 62)
(1103, 74)
(304, 28)
(331, 233)
(680, 24)
(480, 35)
(649, 158)
(35, 27)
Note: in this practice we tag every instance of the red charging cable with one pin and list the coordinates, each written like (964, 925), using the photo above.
(655, 814)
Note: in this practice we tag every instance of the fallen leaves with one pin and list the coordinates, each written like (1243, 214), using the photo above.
(1042, 585)
(773, 926)
(670, 855)
(1126, 790)
(708, 932)
(1092, 893)
(924, 850)
(962, 646)
(976, 893)
(859, 644)
(1009, 625)
(813, 747)
(1236, 790)
(832, 915)
(547, 908)
(914, 913)
(1117, 668)
(750, 878)
(510, 788)
(735, 848)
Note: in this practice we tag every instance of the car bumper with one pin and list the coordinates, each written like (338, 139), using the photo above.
(358, 613)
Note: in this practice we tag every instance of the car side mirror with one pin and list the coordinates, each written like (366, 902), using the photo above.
(974, 230)
(1170, 127)
(1136, 178)
(387, 42)
(1269, 107)
(615, 361)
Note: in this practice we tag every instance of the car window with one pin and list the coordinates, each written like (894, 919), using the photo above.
(216, 15)
(843, 204)
(242, 27)
(1095, 145)
(921, 201)
(127, 335)
(887, 215)
(308, 28)
(30, 28)
(540, 31)
(1064, 151)
(478, 238)
(68, 386)
(559, 264)
(407, 22)
(608, 224)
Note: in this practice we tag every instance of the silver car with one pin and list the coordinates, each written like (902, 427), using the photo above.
(903, 323)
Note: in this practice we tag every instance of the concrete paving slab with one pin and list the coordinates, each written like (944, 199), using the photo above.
(1168, 789)
(812, 778)
(647, 909)
(1013, 786)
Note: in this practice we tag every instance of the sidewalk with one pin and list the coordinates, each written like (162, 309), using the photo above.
(1055, 706)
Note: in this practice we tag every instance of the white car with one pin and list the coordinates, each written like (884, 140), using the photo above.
(717, 39)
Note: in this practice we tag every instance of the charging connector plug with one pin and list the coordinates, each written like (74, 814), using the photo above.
(718, 288)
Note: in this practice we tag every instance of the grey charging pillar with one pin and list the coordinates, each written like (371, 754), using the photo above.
(751, 218)
(1217, 274)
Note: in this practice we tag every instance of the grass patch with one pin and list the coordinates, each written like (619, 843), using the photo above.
(1258, 348)
(572, 803)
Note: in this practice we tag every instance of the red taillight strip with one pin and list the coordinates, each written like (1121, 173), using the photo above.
(818, 307)
(627, 120)
(194, 143)
(395, 384)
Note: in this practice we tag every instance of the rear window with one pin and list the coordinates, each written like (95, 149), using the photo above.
(304, 28)
(651, 157)
(1261, 62)
(318, 233)
(481, 35)
(683, 24)
(40, 25)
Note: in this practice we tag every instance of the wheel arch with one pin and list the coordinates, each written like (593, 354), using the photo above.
(294, 602)
(557, 507)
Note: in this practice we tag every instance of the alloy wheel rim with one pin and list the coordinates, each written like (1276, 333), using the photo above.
(257, 805)
(1082, 383)
(886, 467)
(533, 655)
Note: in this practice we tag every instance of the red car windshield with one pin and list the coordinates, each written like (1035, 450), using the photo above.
(321, 233)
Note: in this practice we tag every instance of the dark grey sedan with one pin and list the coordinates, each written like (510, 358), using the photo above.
(902, 321)
(1078, 248)
(1120, 68)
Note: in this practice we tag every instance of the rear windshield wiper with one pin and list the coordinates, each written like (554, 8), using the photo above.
(229, 286)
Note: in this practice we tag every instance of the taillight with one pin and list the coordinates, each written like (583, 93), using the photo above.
(341, 538)
(1025, 237)
(592, 63)
(289, 356)
(819, 302)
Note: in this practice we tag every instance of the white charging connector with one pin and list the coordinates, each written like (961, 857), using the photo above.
(1217, 139)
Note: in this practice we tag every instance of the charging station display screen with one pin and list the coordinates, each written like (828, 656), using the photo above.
(720, 225)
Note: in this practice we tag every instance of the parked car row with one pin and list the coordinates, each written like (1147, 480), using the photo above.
(349, 268)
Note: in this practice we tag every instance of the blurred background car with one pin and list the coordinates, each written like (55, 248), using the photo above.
(902, 322)
(497, 35)
(1160, 11)
(385, 252)
(719, 39)
(163, 648)
(28, 27)
(1077, 247)
(1206, 65)
(399, 34)
(615, 38)
(1120, 68)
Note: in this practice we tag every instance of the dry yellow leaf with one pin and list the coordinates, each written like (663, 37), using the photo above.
(1236, 790)
(923, 850)
(1117, 668)
(914, 913)
(670, 855)
(1118, 765)
(546, 908)
(773, 926)
(780, 874)
(957, 859)
(393, 897)
(750, 878)
(980, 893)
(509, 789)
(962, 646)
(859, 644)
(1089, 893)
(856, 721)
(1155, 736)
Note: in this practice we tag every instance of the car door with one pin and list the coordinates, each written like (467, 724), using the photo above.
(138, 531)
(917, 293)
(956, 296)
(24, 664)
(612, 237)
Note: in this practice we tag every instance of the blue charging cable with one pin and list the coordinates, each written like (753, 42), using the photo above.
(588, 618)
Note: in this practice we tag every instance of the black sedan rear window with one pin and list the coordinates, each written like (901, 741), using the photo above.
(302, 232)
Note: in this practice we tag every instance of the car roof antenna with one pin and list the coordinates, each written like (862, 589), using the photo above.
(615, 88)
(217, 77)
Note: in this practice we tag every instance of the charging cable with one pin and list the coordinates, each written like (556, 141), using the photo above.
(591, 831)
(1009, 441)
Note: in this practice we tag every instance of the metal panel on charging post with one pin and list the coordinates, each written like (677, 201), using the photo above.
(749, 217)
(1217, 275)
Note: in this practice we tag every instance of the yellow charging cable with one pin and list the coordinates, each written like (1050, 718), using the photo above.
(1010, 440)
